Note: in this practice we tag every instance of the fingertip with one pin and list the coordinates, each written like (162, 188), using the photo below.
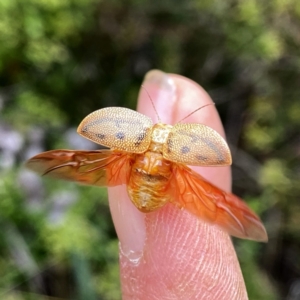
(181, 257)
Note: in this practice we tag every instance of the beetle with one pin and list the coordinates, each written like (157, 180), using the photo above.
(152, 161)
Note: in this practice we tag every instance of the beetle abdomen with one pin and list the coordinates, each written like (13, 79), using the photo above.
(148, 182)
(147, 192)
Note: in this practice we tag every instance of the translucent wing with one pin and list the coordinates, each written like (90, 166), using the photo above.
(118, 128)
(192, 192)
(101, 168)
(196, 145)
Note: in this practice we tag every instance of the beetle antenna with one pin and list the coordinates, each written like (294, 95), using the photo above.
(196, 111)
(157, 115)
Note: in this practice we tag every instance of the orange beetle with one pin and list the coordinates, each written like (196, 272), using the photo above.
(151, 160)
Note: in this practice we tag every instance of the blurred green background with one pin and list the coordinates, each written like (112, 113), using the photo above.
(62, 59)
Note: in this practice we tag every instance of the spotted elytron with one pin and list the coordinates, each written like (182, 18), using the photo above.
(151, 160)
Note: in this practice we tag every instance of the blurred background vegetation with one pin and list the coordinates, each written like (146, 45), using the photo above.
(62, 59)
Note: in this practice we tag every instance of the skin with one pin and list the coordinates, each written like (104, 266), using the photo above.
(170, 254)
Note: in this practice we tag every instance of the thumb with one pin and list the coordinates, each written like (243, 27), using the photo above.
(170, 254)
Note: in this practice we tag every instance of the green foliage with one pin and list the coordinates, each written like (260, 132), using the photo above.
(274, 175)
(258, 284)
(31, 106)
(74, 235)
(109, 286)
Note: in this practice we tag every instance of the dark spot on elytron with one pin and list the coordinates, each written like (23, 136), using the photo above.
(118, 123)
(195, 138)
(202, 158)
(101, 136)
(216, 150)
(185, 149)
(140, 138)
(120, 135)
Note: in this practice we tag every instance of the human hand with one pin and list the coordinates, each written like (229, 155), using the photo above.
(169, 253)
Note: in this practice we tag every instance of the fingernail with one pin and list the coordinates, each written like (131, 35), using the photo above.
(161, 79)
(162, 90)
